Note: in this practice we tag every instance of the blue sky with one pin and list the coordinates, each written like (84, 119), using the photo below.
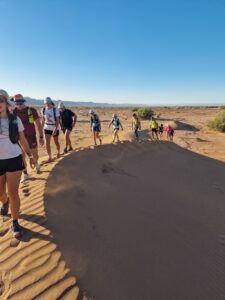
(120, 51)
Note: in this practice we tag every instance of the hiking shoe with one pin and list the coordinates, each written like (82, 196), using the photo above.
(70, 149)
(65, 150)
(16, 229)
(4, 209)
(24, 178)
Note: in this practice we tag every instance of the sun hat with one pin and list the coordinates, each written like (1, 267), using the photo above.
(5, 95)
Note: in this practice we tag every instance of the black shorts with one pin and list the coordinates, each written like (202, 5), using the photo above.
(11, 165)
(97, 128)
(32, 141)
(67, 128)
(50, 132)
(154, 130)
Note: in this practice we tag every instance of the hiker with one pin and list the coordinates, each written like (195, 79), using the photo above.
(169, 132)
(68, 120)
(116, 127)
(50, 122)
(12, 139)
(136, 125)
(161, 130)
(95, 124)
(30, 118)
(154, 128)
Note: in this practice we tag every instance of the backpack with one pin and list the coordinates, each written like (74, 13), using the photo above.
(54, 112)
(95, 120)
(29, 113)
(116, 122)
(13, 129)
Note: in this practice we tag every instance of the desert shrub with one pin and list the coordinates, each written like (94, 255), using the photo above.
(222, 107)
(144, 112)
(218, 123)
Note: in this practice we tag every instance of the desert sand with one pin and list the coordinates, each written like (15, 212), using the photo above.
(123, 221)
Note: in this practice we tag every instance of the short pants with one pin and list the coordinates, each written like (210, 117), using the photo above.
(154, 130)
(96, 128)
(11, 165)
(50, 132)
(32, 141)
(67, 128)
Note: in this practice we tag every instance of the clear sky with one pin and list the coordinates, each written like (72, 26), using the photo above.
(120, 51)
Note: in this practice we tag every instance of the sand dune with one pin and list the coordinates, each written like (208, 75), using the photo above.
(141, 221)
(32, 268)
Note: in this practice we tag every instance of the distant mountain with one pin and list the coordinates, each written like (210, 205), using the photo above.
(38, 102)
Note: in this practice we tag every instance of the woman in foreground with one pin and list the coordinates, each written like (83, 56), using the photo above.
(11, 161)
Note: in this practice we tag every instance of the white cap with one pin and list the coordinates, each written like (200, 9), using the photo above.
(91, 112)
(61, 105)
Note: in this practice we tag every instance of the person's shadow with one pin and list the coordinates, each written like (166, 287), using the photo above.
(29, 233)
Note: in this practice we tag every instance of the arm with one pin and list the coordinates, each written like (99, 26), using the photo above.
(121, 126)
(40, 131)
(57, 122)
(24, 145)
(110, 123)
(74, 120)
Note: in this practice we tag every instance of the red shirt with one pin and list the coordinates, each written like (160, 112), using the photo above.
(29, 128)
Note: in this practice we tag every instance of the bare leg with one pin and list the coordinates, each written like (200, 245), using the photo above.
(98, 137)
(13, 181)
(34, 152)
(3, 196)
(48, 146)
(117, 135)
(94, 136)
(56, 140)
(68, 141)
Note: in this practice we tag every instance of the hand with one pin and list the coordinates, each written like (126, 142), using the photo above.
(41, 141)
(32, 162)
(54, 132)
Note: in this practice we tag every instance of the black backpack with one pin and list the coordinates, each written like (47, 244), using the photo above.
(13, 129)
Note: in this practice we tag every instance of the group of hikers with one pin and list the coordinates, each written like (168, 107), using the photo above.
(22, 129)
(156, 129)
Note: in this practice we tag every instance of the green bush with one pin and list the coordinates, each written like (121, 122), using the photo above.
(218, 123)
(143, 112)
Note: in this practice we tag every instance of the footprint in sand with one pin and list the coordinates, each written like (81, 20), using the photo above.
(26, 192)
(3, 231)
(14, 242)
(2, 287)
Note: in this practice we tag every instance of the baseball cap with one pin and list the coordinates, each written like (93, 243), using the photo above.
(61, 105)
(48, 100)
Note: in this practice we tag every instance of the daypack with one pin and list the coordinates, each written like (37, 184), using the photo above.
(116, 122)
(95, 120)
(13, 129)
(29, 113)
(54, 112)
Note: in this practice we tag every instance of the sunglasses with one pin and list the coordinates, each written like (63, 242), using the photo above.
(19, 102)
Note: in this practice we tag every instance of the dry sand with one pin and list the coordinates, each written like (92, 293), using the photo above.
(189, 215)
(141, 221)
